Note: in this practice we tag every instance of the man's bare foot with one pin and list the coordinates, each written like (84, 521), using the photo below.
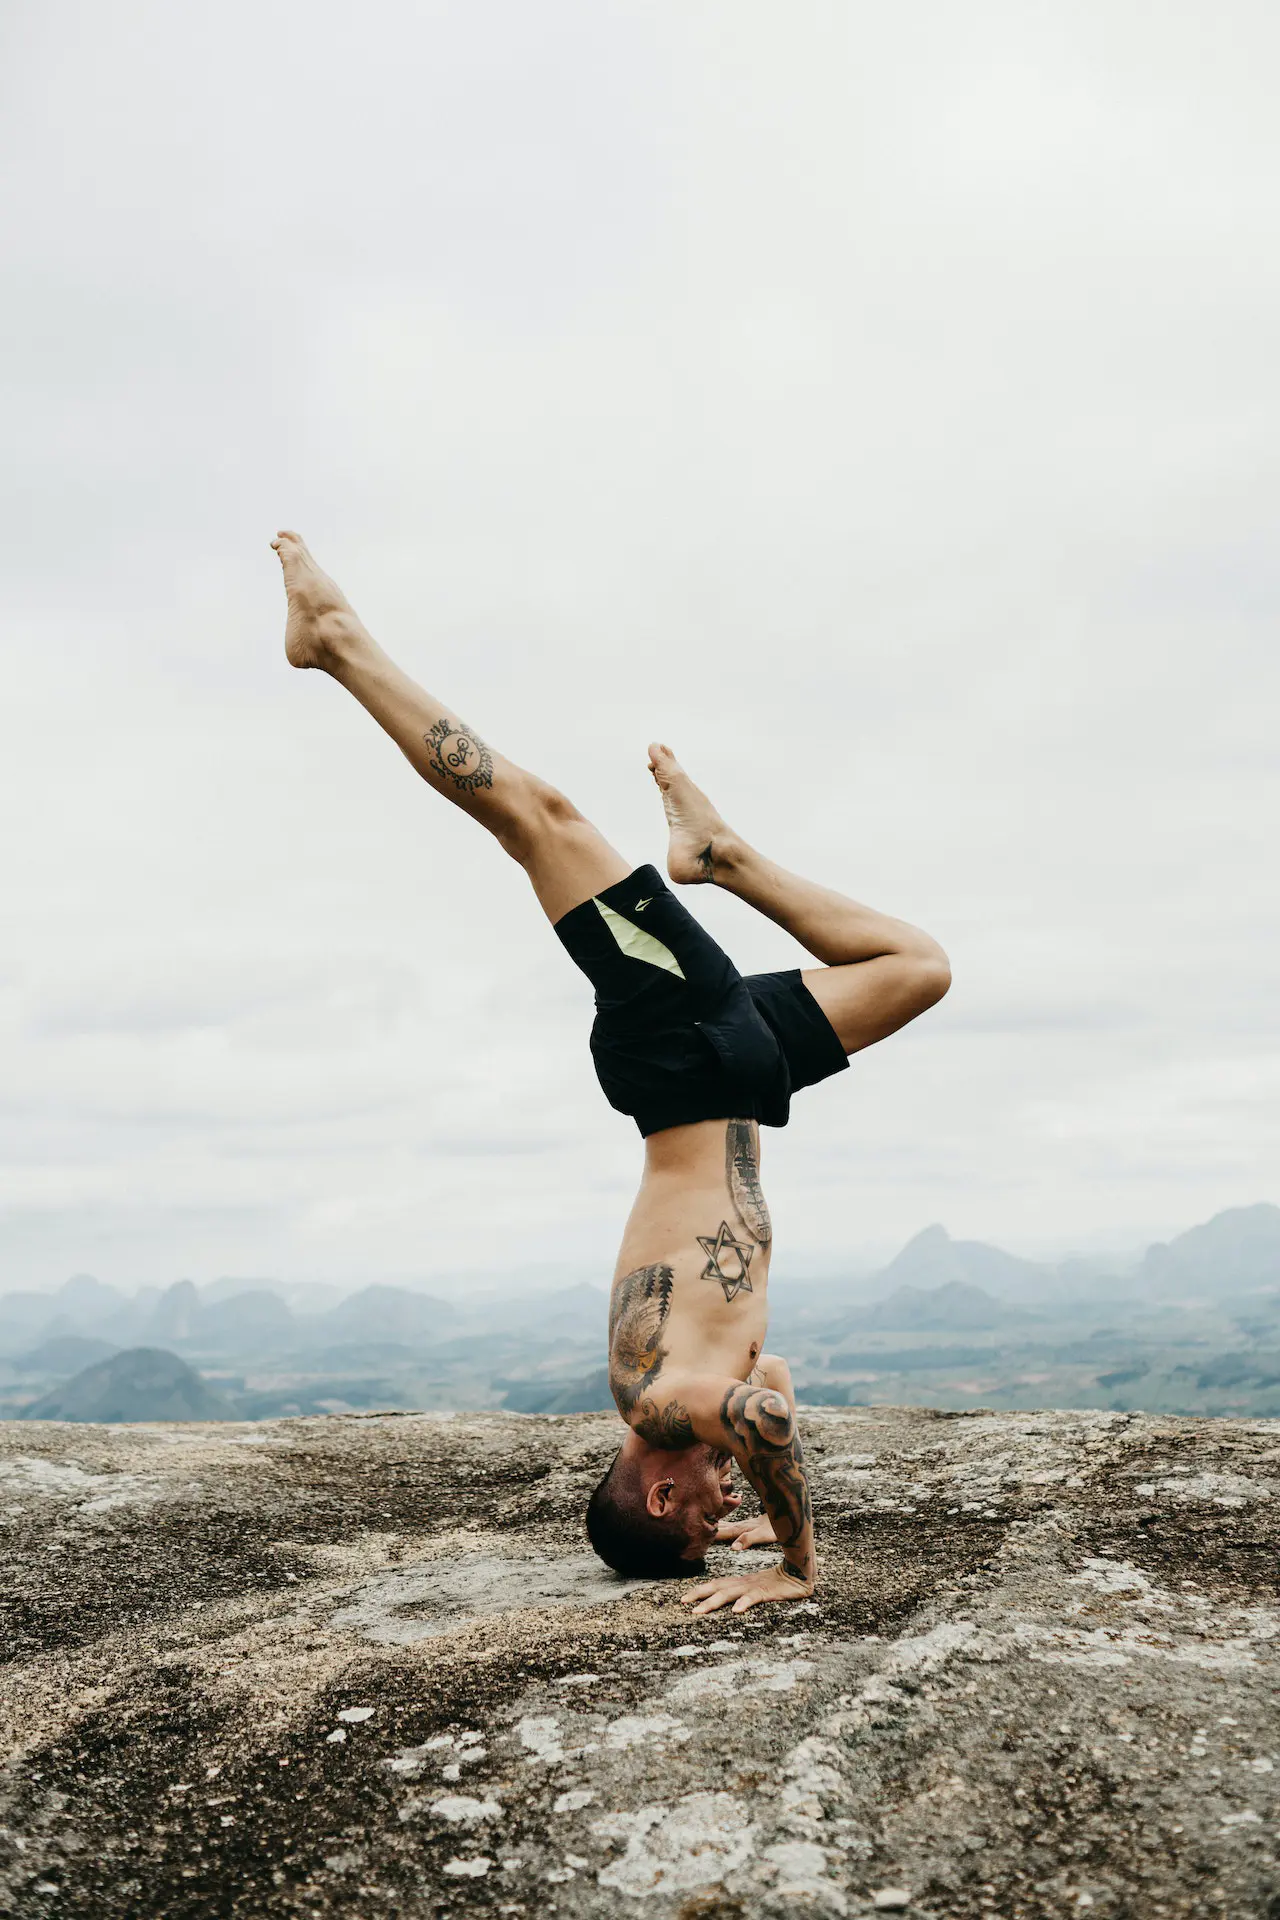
(321, 626)
(700, 840)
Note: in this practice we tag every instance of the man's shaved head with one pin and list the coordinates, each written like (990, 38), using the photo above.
(631, 1539)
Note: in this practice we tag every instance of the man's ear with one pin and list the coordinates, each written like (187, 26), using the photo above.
(658, 1500)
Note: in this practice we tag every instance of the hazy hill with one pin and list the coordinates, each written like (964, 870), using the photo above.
(176, 1314)
(80, 1305)
(933, 1259)
(386, 1313)
(254, 1316)
(955, 1307)
(24, 1317)
(588, 1395)
(86, 1300)
(567, 1310)
(302, 1296)
(66, 1353)
(144, 1383)
(1238, 1248)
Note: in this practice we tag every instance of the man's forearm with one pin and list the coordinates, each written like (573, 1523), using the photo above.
(760, 1430)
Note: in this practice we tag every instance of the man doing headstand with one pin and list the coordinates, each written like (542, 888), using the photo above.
(699, 1057)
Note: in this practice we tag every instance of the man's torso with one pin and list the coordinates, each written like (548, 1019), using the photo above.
(690, 1295)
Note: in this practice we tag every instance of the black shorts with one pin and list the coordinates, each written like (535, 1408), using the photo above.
(679, 1034)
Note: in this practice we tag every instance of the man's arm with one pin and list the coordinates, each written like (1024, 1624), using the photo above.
(757, 1426)
(770, 1370)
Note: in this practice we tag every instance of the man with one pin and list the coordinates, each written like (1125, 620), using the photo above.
(699, 1057)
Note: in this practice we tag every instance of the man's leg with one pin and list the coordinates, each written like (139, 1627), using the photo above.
(877, 972)
(566, 859)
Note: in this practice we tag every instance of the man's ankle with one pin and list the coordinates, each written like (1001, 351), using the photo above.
(729, 855)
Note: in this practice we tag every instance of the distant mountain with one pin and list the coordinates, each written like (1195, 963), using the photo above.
(65, 1353)
(933, 1259)
(355, 1354)
(244, 1317)
(85, 1301)
(176, 1314)
(229, 1285)
(579, 1309)
(1237, 1248)
(385, 1313)
(911, 1359)
(588, 1395)
(953, 1308)
(23, 1318)
(143, 1383)
(303, 1296)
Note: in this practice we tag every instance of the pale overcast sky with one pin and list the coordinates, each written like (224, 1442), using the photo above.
(879, 403)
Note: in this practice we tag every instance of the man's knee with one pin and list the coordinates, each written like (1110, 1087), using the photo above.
(932, 978)
(537, 813)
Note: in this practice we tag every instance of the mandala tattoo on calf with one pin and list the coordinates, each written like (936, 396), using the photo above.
(458, 754)
(728, 1261)
(640, 1304)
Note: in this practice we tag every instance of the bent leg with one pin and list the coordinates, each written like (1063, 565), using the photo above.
(878, 972)
(566, 859)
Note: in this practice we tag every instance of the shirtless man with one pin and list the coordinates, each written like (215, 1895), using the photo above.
(699, 1057)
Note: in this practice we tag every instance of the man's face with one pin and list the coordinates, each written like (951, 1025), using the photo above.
(702, 1497)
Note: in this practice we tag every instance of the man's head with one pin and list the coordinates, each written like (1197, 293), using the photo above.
(655, 1513)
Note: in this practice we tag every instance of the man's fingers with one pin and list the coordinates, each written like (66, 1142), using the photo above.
(744, 1601)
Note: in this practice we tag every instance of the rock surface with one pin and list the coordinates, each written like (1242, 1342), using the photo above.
(362, 1666)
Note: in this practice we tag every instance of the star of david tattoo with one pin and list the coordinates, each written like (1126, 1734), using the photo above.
(728, 1261)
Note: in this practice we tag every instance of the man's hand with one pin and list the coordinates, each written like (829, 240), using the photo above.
(747, 1590)
(747, 1533)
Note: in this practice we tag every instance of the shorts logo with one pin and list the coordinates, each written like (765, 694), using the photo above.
(642, 904)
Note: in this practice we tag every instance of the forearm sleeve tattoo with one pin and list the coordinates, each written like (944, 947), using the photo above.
(761, 1430)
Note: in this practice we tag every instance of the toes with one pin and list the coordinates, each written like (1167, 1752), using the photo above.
(290, 546)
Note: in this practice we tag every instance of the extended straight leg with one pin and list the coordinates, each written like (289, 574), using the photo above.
(565, 857)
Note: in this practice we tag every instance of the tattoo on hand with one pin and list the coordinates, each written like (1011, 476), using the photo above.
(728, 1261)
(762, 1424)
(640, 1304)
(742, 1172)
(669, 1427)
(459, 755)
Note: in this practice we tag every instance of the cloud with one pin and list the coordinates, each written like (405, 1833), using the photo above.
(879, 405)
